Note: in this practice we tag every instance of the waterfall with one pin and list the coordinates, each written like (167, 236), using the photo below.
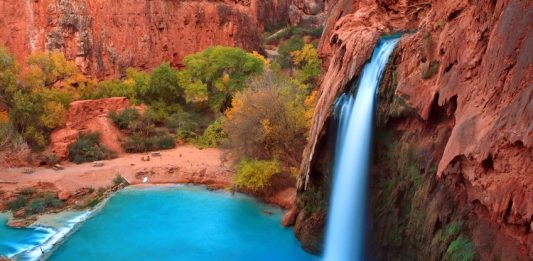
(347, 225)
(31, 31)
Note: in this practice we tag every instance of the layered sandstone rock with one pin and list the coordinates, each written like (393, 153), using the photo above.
(465, 70)
(106, 37)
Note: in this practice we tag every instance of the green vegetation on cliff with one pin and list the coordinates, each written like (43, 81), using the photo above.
(223, 96)
(88, 148)
(30, 202)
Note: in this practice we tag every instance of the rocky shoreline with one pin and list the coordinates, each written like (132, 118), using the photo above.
(84, 186)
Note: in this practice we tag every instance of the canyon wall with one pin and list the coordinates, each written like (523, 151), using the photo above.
(105, 37)
(454, 137)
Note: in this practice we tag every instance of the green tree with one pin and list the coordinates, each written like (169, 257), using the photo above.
(308, 64)
(256, 174)
(216, 73)
(138, 80)
(295, 43)
(8, 78)
(47, 68)
(163, 86)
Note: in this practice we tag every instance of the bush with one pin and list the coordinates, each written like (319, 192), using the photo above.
(19, 202)
(10, 139)
(295, 43)
(213, 136)
(139, 143)
(182, 121)
(256, 174)
(101, 191)
(36, 206)
(308, 64)
(118, 180)
(159, 112)
(50, 159)
(88, 148)
(314, 199)
(52, 201)
(124, 118)
(269, 120)
(461, 249)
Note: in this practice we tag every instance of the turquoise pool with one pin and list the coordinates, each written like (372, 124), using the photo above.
(182, 223)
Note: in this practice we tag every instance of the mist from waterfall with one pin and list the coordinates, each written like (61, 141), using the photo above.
(354, 111)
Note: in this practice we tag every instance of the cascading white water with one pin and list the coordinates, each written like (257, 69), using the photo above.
(347, 225)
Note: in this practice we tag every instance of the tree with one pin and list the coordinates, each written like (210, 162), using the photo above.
(54, 115)
(293, 44)
(8, 78)
(256, 174)
(163, 86)
(48, 68)
(216, 73)
(267, 120)
(308, 64)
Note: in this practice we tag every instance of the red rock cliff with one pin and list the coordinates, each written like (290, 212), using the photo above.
(105, 37)
(465, 69)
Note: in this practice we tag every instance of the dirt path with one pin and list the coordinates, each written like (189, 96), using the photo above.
(184, 164)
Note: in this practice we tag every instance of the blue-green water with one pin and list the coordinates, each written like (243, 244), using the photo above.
(182, 223)
(14, 241)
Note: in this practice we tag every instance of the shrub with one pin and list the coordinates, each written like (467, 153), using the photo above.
(118, 180)
(159, 112)
(256, 174)
(182, 121)
(94, 202)
(159, 140)
(50, 159)
(314, 199)
(115, 88)
(54, 115)
(101, 191)
(308, 62)
(36, 206)
(88, 148)
(212, 136)
(124, 118)
(51, 201)
(35, 138)
(10, 139)
(268, 120)
(19, 202)
(461, 249)
(295, 43)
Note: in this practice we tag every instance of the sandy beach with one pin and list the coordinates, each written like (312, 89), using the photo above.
(184, 164)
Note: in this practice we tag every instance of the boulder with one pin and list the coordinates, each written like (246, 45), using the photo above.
(289, 217)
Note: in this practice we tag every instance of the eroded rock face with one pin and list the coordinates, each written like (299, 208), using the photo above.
(89, 116)
(106, 37)
(466, 75)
